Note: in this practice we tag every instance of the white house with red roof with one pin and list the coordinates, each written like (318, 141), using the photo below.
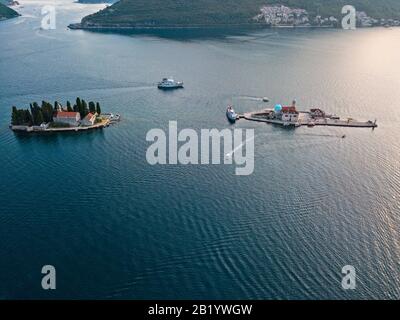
(290, 114)
(89, 120)
(70, 118)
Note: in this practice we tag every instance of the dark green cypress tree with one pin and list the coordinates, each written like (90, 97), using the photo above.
(40, 118)
(26, 118)
(34, 109)
(85, 109)
(98, 109)
(51, 112)
(14, 116)
(79, 103)
(92, 107)
(29, 118)
(46, 111)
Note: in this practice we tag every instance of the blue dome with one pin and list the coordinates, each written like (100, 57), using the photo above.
(278, 108)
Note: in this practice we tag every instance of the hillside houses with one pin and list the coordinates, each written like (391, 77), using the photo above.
(280, 15)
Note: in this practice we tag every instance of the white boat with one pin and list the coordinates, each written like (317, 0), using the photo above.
(169, 83)
(231, 114)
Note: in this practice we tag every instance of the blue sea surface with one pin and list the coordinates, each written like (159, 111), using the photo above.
(116, 227)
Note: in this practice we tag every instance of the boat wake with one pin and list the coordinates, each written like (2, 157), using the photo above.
(230, 154)
(250, 98)
(340, 136)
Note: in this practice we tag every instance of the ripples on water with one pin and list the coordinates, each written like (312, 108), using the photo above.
(116, 227)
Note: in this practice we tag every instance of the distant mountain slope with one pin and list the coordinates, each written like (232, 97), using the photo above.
(9, 2)
(7, 13)
(183, 13)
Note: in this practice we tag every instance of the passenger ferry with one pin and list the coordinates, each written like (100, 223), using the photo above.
(170, 83)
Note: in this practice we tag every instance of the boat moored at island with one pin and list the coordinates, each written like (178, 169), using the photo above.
(231, 114)
(169, 83)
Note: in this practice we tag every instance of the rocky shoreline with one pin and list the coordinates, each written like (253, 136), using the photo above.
(116, 27)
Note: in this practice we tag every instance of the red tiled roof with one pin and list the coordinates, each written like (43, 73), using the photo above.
(89, 116)
(64, 114)
(289, 110)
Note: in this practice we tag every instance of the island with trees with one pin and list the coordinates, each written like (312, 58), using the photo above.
(48, 117)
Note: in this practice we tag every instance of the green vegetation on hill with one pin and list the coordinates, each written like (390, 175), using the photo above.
(6, 12)
(181, 13)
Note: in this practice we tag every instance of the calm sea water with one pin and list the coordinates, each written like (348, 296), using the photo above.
(116, 227)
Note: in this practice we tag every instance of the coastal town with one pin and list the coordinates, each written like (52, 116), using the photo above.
(280, 15)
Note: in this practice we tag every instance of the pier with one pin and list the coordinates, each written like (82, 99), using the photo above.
(111, 117)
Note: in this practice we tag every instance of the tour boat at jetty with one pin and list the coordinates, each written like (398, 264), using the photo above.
(231, 114)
